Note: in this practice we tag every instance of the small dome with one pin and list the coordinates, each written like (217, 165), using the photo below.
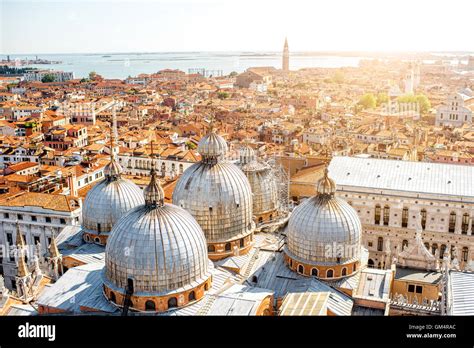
(263, 183)
(160, 247)
(113, 170)
(109, 200)
(212, 147)
(247, 155)
(326, 185)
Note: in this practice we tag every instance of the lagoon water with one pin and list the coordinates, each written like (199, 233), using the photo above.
(122, 65)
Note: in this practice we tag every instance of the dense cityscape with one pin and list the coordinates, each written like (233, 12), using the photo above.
(270, 191)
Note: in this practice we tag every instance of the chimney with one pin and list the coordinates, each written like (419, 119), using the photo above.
(71, 183)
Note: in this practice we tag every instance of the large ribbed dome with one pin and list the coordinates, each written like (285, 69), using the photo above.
(217, 193)
(262, 182)
(108, 200)
(159, 246)
(324, 229)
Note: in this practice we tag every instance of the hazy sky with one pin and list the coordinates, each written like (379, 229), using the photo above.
(74, 26)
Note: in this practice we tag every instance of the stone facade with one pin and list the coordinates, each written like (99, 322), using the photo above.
(391, 218)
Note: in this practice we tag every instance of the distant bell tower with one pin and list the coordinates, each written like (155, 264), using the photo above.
(286, 57)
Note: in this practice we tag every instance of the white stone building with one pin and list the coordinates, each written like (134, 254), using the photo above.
(141, 165)
(389, 197)
(39, 216)
(454, 112)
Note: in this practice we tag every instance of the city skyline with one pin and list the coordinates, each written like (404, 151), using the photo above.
(111, 26)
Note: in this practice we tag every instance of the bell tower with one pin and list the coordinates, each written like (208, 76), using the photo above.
(286, 57)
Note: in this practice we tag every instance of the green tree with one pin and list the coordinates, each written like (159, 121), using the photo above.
(222, 95)
(382, 98)
(190, 145)
(367, 101)
(48, 78)
(233, 73)
(421, 99)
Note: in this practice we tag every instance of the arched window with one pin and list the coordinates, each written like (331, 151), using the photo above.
(329, 273)
(300, 269)
(453, 248)
(386, 215)
(354, 268)
(379, 266)
(371, 263)
(434, 247)
(271, 217)
(452, 222)
(465, 223)
(291, 263)
(380, 244)
(465, 254)
(172, 302)
(377, 214)
(149, 305)
(112, 297)
(206, 287)
(211, 248)
(242, 244)
(260, 220)
(163, 169)
(404, 244)
(427, 246)
(314, 272)
(227, 247)
(405, 217)
(192, 296)
(423, 218)
(344, 271)
(97, 240)
(442, 250)
(181, 168)
(98, 228)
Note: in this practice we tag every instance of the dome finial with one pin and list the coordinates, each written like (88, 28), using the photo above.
(326, 185)
(113, 169)
(154, 194)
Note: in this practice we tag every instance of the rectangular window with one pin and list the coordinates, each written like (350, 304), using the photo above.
(419, 289)
(6, 215)
(36, 240)
(411, 288)
(62, 221)
(48, 219)
(405, 217)
(33, 218)
(20, 217)
(9, 239)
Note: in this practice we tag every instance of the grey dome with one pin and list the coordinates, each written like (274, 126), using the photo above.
(262, 182)
(318, 223)
(108, 200)
(160, 246)
(219, 197)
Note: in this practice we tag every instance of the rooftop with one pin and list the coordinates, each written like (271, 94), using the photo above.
(416, 275)
(414, 177)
